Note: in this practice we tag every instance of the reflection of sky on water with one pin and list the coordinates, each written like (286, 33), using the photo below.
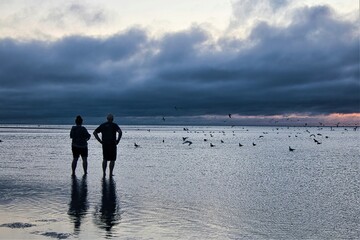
(78, 205)
(107, 214)
(173, 191)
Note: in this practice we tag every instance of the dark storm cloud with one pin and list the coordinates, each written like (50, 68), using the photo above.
(309, 67)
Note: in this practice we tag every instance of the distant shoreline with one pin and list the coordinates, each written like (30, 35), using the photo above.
(65, 126)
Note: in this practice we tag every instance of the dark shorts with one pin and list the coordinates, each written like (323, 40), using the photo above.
(83, 152)
(109, 152)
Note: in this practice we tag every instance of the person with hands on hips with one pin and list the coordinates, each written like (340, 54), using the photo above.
(110, 138)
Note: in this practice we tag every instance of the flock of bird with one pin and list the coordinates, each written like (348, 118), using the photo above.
(185, 141)
(315, 137)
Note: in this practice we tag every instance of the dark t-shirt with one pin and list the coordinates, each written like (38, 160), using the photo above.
(79, 136)
(108, 132)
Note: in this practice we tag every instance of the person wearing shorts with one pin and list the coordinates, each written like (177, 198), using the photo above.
(79, 146)
(110, 138)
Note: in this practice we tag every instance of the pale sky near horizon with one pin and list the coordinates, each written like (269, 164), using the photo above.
(37, 19)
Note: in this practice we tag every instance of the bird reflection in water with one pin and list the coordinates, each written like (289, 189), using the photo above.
(107, 214)
(78, 205)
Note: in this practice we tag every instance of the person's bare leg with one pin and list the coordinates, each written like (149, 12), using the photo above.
(112, 165)
(85, 165)
(73, 165)
(104, 165)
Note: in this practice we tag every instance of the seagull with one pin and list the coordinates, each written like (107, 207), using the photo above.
(240, 145)
(205, 139)
(312, 135)
(229, 115)
(188, 142)
(254, 144)
(291, 149)
(222, 141)
(136, 145)
(212, 145)
(261, 136)
(317, 141)
(184, 138)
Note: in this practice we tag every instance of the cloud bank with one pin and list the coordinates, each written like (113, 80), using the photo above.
(310, 66)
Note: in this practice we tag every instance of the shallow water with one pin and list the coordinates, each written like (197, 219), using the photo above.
(168, 190)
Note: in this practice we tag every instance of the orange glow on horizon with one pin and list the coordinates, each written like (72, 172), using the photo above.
(333, 119)
(345, 115)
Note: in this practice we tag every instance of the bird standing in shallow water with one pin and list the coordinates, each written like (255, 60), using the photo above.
(187, 142)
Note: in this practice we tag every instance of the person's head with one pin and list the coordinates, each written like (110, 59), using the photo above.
(78, 120)
(110, 117)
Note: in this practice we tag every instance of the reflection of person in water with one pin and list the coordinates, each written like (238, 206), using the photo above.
(78, 205)
(107, 214)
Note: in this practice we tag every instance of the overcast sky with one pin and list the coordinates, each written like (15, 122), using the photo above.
(189, 61)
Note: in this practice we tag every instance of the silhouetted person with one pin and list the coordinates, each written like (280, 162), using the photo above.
(78, 205)
(107, 214)
(79, 146)
(109, 142)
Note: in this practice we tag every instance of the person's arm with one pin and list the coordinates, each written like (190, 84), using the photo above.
(72, 132)
(96, 135)
(88, 136)
(119, 136)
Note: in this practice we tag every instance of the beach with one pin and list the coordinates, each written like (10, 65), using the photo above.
(165, 189)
